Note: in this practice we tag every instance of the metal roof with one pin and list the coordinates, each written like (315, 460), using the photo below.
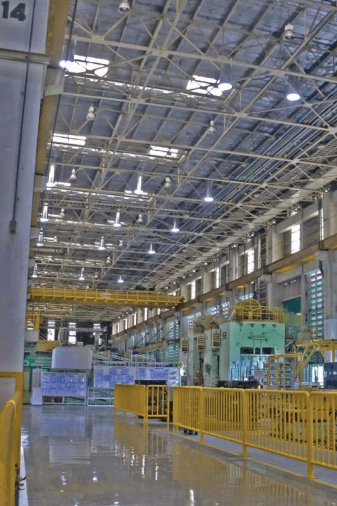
(151, 117)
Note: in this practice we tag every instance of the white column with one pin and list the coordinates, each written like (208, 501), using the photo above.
(19, 120)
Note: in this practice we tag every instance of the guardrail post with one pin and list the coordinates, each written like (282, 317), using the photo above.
(244, 422)
(166, 390)
(146, 404)
(175, 409)
(310, 438)
(201, 414)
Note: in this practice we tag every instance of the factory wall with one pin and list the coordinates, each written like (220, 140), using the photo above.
(290, 263)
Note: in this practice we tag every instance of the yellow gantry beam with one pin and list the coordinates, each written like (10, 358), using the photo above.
(141, 298)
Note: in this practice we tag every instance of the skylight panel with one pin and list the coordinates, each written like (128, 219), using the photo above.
(162, 151)
(203, 85)
(71, 140)
(82, 64)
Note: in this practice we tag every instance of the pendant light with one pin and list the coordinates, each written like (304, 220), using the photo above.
(151, 250)
(73, 176)
(117, 223)
(102, 244)
(138, 190)
(175, 228)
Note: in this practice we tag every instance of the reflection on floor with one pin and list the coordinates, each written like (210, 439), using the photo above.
(77, 456)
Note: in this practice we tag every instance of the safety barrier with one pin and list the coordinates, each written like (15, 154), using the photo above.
(9, 455)
(152, 401)
(296, 424)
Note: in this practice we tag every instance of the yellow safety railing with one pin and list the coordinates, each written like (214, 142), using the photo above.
(186, 412)
(251, 310)
(32, 321)
(10, 426)
(104, 297)
(323, 413)
(296, 424)
(152, 401)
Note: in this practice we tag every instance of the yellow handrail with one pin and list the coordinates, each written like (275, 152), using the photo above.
(10, 426)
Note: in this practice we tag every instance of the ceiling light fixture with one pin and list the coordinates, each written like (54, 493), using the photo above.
(151, 251)
(121, 280)
(108, 260)
(40, 239)
(117, 223)
(211, 128)
(102, 244)
(62, 213)
(138, 190)
(35, 274)
(209, 197)
(96, 275)
(140, 218)
(51, 175)
(288, 31)
(168, 182)
(82, 277)
(293, 85)
(175, 228)
(44, 216)
(124, 6)
(120, 243)
(91, 113)
(292, 96)
(73, 176)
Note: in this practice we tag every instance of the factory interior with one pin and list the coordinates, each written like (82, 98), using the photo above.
(168, 243)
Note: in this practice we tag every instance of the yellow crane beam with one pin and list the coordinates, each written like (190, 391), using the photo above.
(140, 298)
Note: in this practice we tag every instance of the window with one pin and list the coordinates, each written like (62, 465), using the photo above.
(146, 313)
(268, 351)
(72, 333)
(295, 238)
(250, 260)
(246, 351)
(117, 326)
(51, 330)
(225, 309)
(125, 323)
(193, 289)
(315, 304)
(135, 318)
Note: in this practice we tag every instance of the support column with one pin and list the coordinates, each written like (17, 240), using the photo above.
(21, 89)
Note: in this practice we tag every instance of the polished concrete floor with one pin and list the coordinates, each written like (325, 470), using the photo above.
(78, 456)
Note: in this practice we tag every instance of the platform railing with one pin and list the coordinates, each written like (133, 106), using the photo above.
(151, 401)
(296, 424)
(9, 454)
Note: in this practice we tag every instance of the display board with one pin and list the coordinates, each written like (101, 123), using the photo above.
(169, 374)
(108, 377)
(63, 384)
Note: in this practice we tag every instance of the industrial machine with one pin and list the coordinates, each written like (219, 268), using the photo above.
(235, 349)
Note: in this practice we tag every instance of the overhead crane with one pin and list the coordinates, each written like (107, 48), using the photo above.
(140, 298)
